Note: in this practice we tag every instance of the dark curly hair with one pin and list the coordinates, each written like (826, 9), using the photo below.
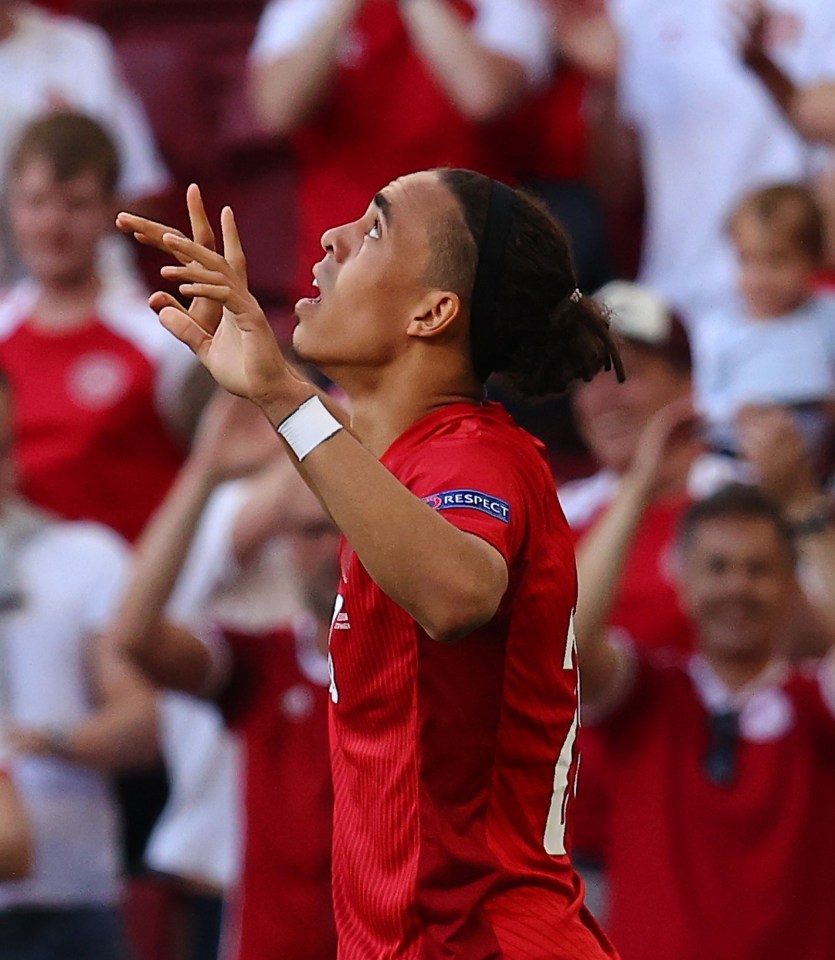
(543, 337)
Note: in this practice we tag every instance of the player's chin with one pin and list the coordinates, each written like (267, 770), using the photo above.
(307, 343)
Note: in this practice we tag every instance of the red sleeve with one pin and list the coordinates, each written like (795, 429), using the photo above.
(479, 490)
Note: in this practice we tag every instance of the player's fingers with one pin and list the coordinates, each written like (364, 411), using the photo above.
(187, 250)
(232, 247)
(193, 272)
(149, 231)
(161, 299)
(210, 291)
(184, 328)
(201, 229)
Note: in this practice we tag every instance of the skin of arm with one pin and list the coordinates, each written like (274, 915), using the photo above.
(118, 735)
(15, 838)
(603, 552)
(170, 655)
(810, 109)
(480, 83)
(586, 35)
(285, 91)
(449, 581)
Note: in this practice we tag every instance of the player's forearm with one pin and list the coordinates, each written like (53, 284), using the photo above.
(284, 92)
(480, 83)
(449, 581)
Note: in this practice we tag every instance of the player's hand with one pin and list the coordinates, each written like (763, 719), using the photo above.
(204, 312)
(667, 448)
(236, 345)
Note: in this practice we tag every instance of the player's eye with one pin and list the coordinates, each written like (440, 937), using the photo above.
(376, 231)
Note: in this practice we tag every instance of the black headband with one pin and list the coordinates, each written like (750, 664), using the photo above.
(484, 308)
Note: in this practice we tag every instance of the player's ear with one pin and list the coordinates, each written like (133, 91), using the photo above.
(435, 314)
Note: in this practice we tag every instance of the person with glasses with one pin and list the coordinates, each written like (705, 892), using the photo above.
(722, 762)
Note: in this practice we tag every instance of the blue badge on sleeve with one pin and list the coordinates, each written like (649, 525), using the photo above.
(470, 500)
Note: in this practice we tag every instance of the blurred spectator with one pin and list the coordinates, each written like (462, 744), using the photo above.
(74, 712)
(709, 127)
(15, 833)
(778, 344)
(271, 686)
(102, 405)
(238, 572)
(370, 90)
(722, 762)
(655, 351)
(545, 143)
(50, 62)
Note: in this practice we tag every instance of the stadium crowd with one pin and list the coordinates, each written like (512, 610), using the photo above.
(167, 582)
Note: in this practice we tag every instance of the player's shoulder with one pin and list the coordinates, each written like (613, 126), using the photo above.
(473, 425)
(582, 499)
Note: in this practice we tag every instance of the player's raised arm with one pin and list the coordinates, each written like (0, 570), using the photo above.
(451, 582)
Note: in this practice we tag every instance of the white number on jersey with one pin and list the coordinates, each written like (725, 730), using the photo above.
(554, 840)
(337, 609)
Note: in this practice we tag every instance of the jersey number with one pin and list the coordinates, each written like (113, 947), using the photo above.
(554, 840)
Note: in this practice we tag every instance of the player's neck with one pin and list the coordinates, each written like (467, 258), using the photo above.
(66, 304)
(380, 414)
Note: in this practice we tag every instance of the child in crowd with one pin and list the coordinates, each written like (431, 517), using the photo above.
(776, 344)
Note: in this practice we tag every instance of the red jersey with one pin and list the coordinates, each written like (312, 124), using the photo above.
(91, 442)
(277, 701)
(453, 764)
(738, 872)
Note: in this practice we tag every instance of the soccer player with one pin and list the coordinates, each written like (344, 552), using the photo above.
(453, 666)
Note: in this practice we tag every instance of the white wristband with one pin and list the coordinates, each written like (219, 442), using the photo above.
(308, 426)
